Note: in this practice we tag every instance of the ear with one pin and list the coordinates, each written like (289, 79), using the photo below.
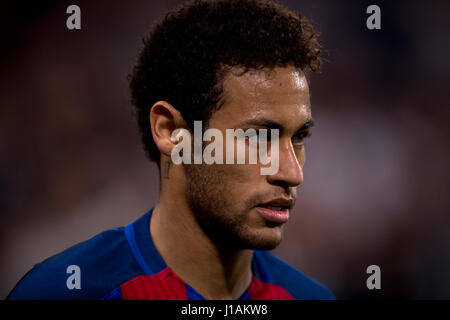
(164, 119)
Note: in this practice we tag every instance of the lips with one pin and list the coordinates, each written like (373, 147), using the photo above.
(275, 210)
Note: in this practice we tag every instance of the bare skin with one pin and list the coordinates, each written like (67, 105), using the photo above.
(227, 195)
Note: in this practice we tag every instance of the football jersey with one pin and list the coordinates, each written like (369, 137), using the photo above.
(123, 264)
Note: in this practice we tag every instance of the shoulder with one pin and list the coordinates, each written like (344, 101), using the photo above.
(298, 284)
(88, 270)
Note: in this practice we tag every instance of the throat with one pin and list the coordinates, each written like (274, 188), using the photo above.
(192, 256)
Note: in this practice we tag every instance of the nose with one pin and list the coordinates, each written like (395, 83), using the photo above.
(290, 171)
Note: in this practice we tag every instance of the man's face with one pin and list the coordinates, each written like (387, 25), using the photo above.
(234, 203)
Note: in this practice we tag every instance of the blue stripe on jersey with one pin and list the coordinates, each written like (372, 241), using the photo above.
(116, 294)
(129, 233)
(192, 294)
(260, 268)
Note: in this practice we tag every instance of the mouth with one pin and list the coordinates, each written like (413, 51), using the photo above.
(275, 210)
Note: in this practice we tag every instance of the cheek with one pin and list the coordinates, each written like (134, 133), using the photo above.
(241, 175)
(237, 183)
(301, 155)
(233, 184)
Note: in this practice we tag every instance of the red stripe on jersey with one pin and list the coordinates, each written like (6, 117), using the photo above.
(164, 285)
(267, 291)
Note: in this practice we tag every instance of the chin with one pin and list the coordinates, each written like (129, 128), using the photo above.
(267, 239)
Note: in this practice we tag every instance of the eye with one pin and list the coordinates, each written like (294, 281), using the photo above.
(299, 138)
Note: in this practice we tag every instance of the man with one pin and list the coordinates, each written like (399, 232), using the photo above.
(230, 65)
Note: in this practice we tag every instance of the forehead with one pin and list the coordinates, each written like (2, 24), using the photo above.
(280, 94)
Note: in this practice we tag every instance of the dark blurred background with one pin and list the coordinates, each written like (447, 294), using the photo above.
(376, 187)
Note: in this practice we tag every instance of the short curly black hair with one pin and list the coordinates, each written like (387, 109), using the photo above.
(184, 55)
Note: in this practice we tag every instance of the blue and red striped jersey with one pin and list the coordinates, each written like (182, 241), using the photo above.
(123, 263)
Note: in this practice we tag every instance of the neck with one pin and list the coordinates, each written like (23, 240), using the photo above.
(215, 273)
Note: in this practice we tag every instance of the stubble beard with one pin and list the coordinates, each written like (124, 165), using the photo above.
(209, 196)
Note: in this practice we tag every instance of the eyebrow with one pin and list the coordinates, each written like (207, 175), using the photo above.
(270, 124)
